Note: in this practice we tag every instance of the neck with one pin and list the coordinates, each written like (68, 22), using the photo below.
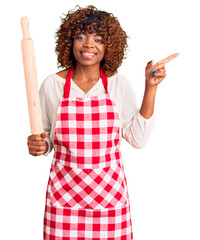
(86, 73)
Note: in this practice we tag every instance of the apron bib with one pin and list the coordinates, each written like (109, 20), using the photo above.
(87, 174)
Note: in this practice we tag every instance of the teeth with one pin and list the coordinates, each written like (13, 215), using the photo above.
(90, 54)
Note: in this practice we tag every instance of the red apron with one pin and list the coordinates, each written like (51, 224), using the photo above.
(87, 195)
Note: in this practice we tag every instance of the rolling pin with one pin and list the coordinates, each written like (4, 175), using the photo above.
(31, 80)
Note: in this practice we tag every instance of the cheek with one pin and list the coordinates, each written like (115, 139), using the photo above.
(103, 51)
(75, 48)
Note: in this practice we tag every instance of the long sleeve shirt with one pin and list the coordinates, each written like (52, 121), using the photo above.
(134, 128)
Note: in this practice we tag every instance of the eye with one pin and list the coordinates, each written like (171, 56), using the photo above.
(98, 40)
(80, 37)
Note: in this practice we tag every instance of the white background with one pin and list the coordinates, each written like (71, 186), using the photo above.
(163, 178)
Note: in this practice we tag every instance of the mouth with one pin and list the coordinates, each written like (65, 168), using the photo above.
(88, 54)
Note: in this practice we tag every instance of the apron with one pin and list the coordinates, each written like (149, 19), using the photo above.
(87, 195)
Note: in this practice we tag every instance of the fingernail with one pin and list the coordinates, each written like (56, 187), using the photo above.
(150, 61)
(45, 150)
(155, 74)
(153, 69)
(43, 140)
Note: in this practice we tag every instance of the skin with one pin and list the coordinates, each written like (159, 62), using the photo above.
(89, 50)
(151, 83)
(37, 144)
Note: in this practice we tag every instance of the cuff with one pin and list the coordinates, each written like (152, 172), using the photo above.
(146, 124)
(50, 146)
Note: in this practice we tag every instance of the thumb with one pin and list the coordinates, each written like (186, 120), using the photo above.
(44, 134)
(150, 63)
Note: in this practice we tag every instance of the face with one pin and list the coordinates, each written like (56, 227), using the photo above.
(88, 49)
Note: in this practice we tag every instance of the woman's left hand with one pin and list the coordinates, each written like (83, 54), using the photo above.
(156, 73)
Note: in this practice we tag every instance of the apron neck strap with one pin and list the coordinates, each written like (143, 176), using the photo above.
(68, 81)
(104, 80)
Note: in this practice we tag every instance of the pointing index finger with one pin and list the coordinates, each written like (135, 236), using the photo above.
(167, 59)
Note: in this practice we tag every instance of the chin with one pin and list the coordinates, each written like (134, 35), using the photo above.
(88, 63)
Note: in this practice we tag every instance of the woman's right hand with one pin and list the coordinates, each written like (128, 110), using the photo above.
(37, 144)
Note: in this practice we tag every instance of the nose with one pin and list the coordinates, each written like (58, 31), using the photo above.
(88, 43)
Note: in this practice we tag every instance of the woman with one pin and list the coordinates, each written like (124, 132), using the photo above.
(87, 109)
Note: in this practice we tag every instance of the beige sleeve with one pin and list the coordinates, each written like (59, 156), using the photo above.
(135, 129)
(45, 116)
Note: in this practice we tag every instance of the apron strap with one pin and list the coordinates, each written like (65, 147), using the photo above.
(104, 80)
(68, 81)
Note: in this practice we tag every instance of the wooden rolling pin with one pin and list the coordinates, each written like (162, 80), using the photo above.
(31, 80)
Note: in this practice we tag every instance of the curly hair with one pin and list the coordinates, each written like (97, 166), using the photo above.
(91, 20)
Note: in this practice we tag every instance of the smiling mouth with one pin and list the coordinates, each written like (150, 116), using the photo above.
(88, 53)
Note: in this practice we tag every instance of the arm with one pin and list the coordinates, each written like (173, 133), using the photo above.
(135, 128)
(147, 107)
(152, 80)
(45, 117)
(41, 144)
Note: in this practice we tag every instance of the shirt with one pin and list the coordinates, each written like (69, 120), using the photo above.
(134, 128)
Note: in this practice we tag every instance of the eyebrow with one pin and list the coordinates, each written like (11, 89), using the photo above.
(96, 35)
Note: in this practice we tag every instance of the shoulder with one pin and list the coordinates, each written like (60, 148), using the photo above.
(55, 77)
(53, 82)
(121, 90)
(119, 81)
(63, 73)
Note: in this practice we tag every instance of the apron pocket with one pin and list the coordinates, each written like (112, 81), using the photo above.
(96, 188)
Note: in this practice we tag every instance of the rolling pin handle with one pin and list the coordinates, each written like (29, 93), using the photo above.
(25, 28)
